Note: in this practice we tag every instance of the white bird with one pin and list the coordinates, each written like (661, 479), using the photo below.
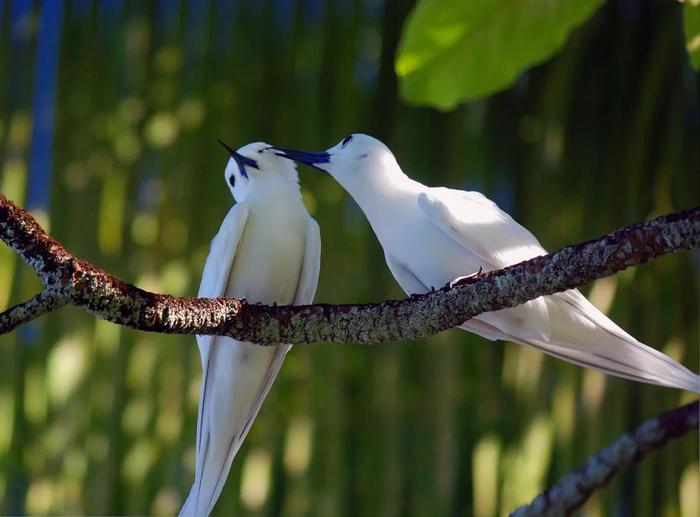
(268, 251)
(432, 236)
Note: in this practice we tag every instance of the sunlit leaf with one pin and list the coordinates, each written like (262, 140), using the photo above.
(453, 50)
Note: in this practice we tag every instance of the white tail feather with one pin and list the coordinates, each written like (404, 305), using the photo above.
(214, 453)
(582, 335)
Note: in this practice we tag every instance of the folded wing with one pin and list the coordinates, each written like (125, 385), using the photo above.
(565, 325)
(481, 228)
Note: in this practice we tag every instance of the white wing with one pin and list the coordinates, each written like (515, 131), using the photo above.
(222, 253)
(477, 223)
(405, 277)
(565, 325)
(481, 228)
(310, 268)
(217, 269)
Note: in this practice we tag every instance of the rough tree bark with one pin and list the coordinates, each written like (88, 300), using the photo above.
(572, 490)
(70, 280)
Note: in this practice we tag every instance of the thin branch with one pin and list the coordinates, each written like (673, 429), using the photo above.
(45, 301)
(577, 486)
(110, 298)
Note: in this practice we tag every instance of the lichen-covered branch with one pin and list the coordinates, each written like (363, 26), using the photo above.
(46, 301)
(71, 280)
(110, 298)
(577, 486)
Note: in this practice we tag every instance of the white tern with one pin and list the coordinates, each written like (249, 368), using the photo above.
(268, 251)
(432, 236)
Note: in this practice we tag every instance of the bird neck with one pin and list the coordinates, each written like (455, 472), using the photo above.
(387, 197)
(275, 187)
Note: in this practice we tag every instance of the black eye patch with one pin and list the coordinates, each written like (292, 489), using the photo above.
(345, 141)
(232, 180)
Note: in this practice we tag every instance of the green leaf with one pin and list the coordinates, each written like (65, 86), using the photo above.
(691, 15)
(453, 50)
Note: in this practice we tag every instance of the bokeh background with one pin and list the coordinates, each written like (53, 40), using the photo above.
(109, 114)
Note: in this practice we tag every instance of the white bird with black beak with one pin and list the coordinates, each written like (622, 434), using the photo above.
(432, 236)
(268, 251)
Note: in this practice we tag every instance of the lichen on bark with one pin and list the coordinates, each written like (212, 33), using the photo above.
(108, 297)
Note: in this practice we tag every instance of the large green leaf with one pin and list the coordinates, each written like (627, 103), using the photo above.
(452, 50)
(691, 14)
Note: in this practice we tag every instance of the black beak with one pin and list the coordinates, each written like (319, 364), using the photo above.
(241, 160)
(312, 158)
(230, 151)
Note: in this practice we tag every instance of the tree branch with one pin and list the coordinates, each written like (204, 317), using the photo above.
(110, 298)
(577, 486)
(46, 301)
(71, 280)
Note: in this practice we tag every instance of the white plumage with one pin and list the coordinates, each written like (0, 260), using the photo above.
(267, 251)
(432, 236)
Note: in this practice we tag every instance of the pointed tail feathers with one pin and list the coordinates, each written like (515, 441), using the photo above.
(642, 364)
(583, 335)
(229, 402)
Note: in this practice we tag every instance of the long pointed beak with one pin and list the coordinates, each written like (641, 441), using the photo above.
(230, 151)
(312, 158)
(241, 160)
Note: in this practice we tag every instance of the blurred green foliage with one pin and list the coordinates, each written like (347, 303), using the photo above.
(99, 419)
(691, 16)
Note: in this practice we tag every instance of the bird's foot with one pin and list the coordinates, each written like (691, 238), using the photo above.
(459, 280)
(462, 279)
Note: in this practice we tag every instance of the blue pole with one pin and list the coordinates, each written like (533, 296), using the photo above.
(45, 85)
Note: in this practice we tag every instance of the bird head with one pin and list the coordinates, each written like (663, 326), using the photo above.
(357, 162)
(255, 164)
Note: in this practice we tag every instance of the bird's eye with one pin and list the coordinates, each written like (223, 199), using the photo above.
(232, 180)
(345, 141)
